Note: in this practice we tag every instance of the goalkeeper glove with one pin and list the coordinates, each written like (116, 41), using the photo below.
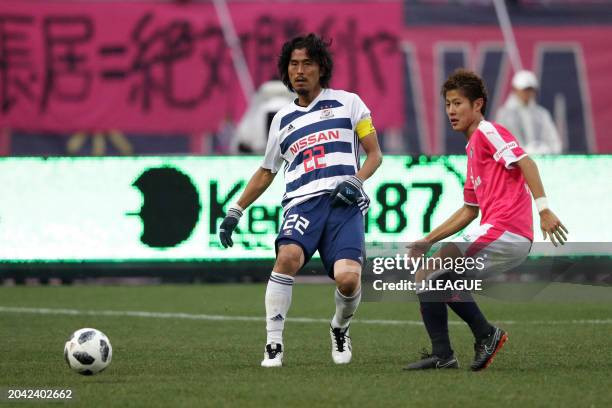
(228, 225)
(348, 192)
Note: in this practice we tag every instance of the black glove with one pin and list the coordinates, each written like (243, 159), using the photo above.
(228, 225)
(347, 193)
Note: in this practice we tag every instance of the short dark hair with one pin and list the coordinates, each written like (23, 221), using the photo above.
(471, 86)
(317, 49)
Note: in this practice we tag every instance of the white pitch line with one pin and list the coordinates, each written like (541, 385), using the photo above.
(191, 316)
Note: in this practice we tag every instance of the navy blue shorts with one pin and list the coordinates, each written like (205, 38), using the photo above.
(337, 233)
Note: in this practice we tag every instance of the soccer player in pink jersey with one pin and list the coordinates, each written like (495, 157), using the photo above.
(501, 179)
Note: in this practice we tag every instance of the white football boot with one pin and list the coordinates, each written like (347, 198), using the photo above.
(273, 355)
(341, 345)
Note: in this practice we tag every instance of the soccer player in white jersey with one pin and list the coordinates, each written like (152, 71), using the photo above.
(315, 141)
(500, 181)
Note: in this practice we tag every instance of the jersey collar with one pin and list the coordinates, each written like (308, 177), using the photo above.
(312, 103)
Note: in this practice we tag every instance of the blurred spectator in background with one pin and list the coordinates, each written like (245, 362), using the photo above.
(252, 131)
(531, 123)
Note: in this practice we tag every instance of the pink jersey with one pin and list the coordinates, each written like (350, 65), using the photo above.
(494, 184)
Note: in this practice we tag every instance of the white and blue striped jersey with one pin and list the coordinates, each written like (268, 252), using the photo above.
(318, 145)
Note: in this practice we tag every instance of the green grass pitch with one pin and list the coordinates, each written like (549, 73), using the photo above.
(558, 354)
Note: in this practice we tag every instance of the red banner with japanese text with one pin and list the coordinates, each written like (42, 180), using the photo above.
(165, 67)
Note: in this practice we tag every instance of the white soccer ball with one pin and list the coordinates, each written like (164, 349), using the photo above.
(88, 351)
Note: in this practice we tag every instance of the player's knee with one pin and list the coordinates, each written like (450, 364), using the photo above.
(348, 276)
(348, 282)
(289, 259)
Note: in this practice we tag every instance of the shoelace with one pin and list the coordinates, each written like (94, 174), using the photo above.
(272, 352)
(340, 339)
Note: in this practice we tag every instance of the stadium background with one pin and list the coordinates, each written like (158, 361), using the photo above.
(117, 165)
(165, 78)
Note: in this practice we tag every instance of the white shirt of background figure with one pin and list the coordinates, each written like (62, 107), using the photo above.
(529, 122)
(252, 132)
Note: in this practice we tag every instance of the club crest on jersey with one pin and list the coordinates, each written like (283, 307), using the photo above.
(327, 113)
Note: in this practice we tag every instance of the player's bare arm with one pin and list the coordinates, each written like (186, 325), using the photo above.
(259, 182)
(374, 156)
(549, 222)
(455, 223)
(257, 185)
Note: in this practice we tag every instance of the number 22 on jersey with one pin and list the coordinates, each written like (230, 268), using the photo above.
(314, 158)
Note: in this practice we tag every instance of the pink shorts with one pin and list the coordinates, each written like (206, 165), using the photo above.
(499, 250)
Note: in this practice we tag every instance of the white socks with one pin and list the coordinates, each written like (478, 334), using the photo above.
(345, 308)
(278, 300)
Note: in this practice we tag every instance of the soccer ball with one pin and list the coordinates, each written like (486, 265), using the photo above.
(88, 351)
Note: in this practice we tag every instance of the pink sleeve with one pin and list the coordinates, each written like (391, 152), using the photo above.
(505, 147)
(469, 195)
